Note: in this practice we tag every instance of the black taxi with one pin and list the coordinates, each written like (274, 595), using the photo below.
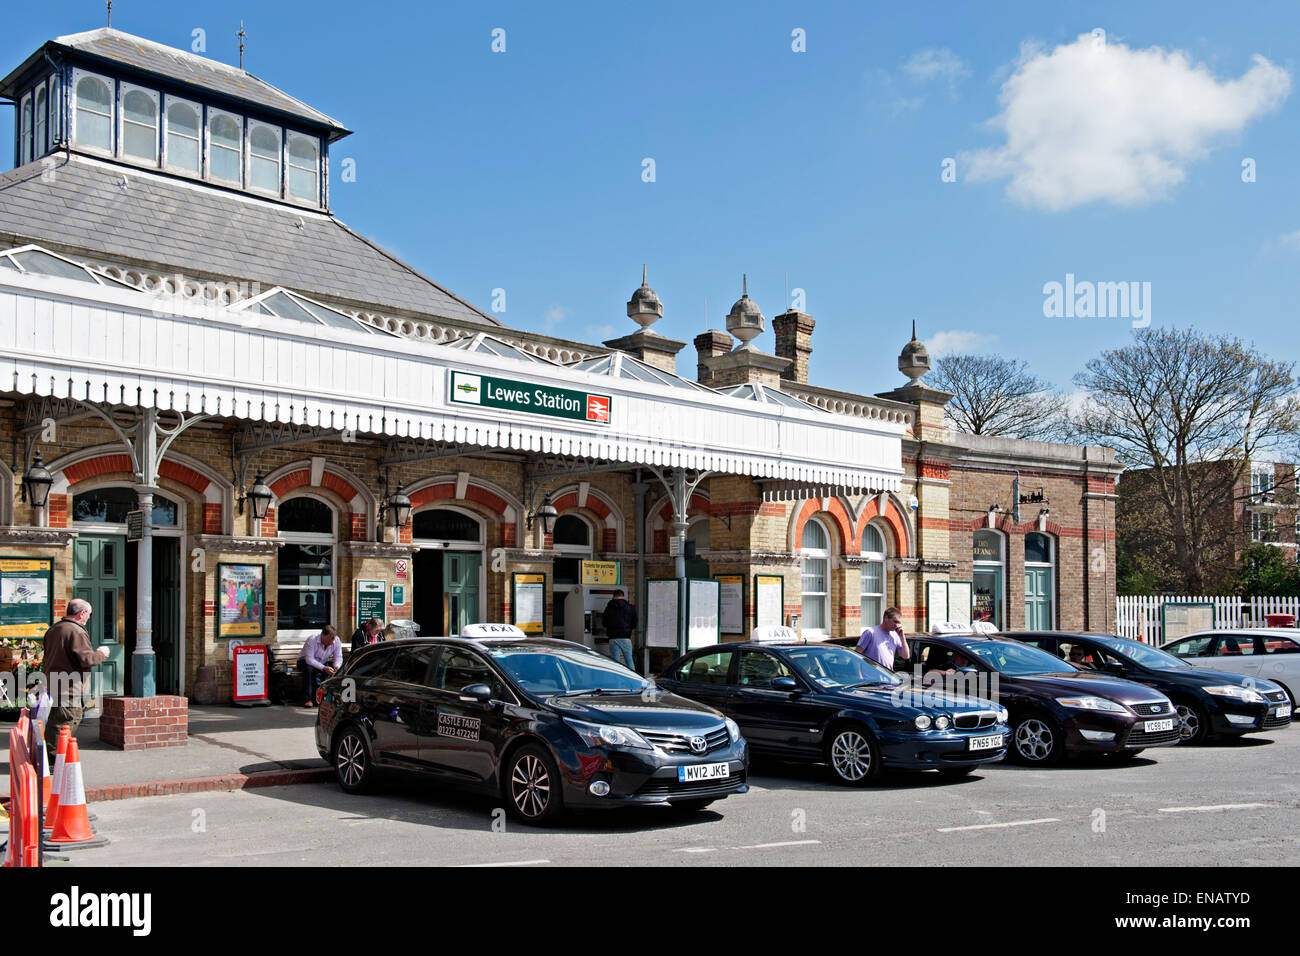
(546, 724)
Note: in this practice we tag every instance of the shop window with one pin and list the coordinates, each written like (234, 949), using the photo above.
(988, 554)
(94, 113)
(184, 140)
(110, 506)
(305, 565)
(815, 549)
(873, 576)
(140, 124)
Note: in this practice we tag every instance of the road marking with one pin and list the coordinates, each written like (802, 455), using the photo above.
(505, 863)
(766, 846)
(696, 849)
(998, 826)
(1217, 806)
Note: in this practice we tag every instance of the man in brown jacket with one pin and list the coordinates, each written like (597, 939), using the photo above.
(68, 660)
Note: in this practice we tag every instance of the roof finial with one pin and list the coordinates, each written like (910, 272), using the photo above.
(744, 284)
(643, 275)
(914, 330)
(110, 14)
(241, 34)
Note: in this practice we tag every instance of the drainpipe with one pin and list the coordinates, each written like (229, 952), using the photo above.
(639, 489)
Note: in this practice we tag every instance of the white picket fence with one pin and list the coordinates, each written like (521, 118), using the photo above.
(1139, 616)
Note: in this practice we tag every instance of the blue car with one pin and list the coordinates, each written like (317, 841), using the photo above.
(826, 704)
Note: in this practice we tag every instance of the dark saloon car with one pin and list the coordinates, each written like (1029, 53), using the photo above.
(827, 704)
(1209, 703)
(1055, 707)
(546, 724)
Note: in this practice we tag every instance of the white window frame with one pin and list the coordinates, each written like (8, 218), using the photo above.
(212, 115)
(1261, 524)
(77, 77)
(1262, 479)
(25, 128)
(251, 127)
(168, 102)
(873, 557)
(156, 97)
(308, 537)
(40, 120)
(807, 554)
(289, 165)
(471, 547)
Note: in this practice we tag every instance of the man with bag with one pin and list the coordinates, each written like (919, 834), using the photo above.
(69, 659)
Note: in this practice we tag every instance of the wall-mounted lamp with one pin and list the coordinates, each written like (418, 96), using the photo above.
(259, 496)
(547, 514)
(398, 504)
(37, 483)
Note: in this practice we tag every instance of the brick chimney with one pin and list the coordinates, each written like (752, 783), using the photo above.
(709, 345)
(794, 341)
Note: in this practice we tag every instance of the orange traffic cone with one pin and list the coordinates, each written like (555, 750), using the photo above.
(56, 782)
(46, 779)
(72, 824)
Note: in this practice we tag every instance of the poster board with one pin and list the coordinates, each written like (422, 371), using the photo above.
(601, 573)
(251, 673)
(769, 600)
(731, 603)
(948, 602)
(961, 599)
(1178, 619)
(371, 601)
(936, 604)
(241, 594)
(26, 596)
(662, 605)
(528, 602)
(702, 613)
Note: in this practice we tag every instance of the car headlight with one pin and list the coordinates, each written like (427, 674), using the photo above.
(941, 722)
(923, 722)
(733, 729)
(603, 735)
(1003, 715)
(1236, 693)
(1093, 703)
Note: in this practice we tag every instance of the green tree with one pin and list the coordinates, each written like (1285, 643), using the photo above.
(1265, 572)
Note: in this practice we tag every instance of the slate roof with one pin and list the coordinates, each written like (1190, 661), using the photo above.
(207, 232)
(115, 46)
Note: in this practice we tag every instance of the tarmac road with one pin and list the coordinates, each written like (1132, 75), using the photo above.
(1221, 804)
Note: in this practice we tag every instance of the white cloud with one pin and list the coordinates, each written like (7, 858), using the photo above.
(1291, 239)
(926, 65)
(599, 333)
(956, 341)
(1097, 121)
(906, 91)
(554, 316)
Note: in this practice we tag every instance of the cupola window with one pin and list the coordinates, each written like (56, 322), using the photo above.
(224, 147)
(304, 167)
(184, 146)
(140, 124)
(264, 157)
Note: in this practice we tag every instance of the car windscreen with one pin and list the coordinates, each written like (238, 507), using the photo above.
(543, 671)
(837, 667)
(1143, 654)
(1016, 660)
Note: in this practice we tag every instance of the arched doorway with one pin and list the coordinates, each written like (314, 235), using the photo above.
(448, 570)
(988, 577)
(571, 541)
(1040, 582)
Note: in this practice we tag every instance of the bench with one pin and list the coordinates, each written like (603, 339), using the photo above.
(285, 686)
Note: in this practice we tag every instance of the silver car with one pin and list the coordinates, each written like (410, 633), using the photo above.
(1266, 653)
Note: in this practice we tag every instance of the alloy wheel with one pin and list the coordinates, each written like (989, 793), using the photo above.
(851, 756)
(530, 786)
(1034, 740)
(1189, 726)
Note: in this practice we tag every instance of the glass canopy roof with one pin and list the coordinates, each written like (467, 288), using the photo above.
(755, 392)
(622, 365)
(291, 305)
(33, 260)
(486, 344)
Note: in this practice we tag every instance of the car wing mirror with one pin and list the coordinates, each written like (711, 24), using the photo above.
(476, 693)
(787, 684)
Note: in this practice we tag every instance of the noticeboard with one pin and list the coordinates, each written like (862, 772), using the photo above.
(528, 602)
(947, 602)
(769, 600)
(1178, 619)
(663, 599)
(731, 603)
(702, 613)
(241, 599)
(26, 596)
(370, 601)
(251, 673)
(601, 572)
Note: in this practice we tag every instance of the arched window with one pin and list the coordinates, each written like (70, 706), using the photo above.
(305, 600)
(110, 506)
(140, 124)
(41, 143)
(304, 167)
(571, 532)
(94, 113)
(183, 139)
(815, 550)
(443, 524)
(988, 558)
(1040, 582)
(264, 157)
(25, 131)
(225, 147)
(873, 576)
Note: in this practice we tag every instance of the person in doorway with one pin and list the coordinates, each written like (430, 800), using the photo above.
(321, 658)
(620, 622)
(371, 632)
(68, 660)
(881, 643)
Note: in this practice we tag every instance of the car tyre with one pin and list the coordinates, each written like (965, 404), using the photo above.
(852, 756)
(1193, 723)
(532, 787)
(352, 764)
(1037, 740)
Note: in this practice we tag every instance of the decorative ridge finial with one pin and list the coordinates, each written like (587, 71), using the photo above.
(644, 281)
(744, 285)
(914, 330)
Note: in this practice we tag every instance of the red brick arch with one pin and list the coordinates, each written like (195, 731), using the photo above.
(698, 505)
(834, 509)
(892, 517)
(447, 491)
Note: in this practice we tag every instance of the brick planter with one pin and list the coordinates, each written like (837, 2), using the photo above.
(140, 723)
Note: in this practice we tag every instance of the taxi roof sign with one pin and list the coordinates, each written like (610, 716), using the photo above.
(775, 634)
(491, 630)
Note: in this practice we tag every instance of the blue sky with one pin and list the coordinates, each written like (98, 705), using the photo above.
(523, 170)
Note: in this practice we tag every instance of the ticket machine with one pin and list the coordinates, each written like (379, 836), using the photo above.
(584, 609)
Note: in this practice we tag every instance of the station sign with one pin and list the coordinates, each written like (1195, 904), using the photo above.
(601, 572)
(489, 391)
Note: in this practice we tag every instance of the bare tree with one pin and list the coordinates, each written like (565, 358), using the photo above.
(996, 396)
(1194, 410)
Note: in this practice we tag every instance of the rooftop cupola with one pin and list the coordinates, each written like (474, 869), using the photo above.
(644, 308)
(745, 321)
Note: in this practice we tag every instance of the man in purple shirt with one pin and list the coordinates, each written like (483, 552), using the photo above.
(321, 656)
(880, 643)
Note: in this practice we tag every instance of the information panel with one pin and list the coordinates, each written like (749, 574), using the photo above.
(702, 627)
(1180, 619)
(26, 609)
(662, 604)
(769, 600)
(370, 601)
(936, 604)
(960, 600)
(731, 603)
(947, 602)
(601, 572)
(528, 605)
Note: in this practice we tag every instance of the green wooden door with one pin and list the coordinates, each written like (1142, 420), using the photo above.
(1038, 599)
(460, 584)
(99, 576)
(166, 613)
